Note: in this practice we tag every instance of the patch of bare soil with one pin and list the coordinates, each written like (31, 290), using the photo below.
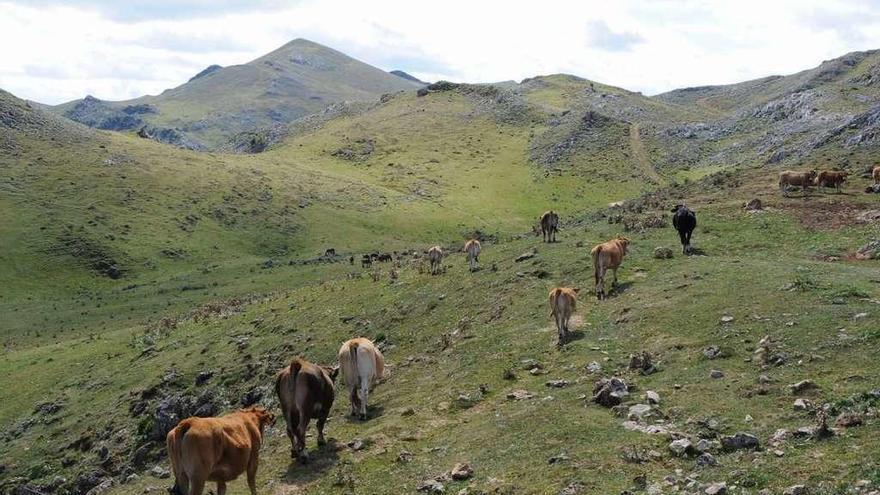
(819, 215)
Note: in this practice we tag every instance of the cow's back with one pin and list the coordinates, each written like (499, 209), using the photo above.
(360, 360)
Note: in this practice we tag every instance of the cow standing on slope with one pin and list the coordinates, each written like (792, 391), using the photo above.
(435, 256)
(685, 221)
(362, 366)
(563, 302)
(608, 256)
(472, 248)
(304, 391)
(217, 449)
(549, 226)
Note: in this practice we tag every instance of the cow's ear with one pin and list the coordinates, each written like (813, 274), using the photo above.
(576, 289)
(334, 372)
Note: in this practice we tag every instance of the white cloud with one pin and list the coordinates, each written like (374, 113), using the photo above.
(55, 53)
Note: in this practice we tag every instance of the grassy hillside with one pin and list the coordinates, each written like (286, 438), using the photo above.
(144, 282)
(297, 79)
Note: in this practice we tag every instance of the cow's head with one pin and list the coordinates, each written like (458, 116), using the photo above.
(813, 173)
(676, 208)
(623, 242)
(264, 417)
(331, 371)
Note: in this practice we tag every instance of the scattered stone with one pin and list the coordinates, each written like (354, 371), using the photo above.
(556, 459)
(870, 251)
(102, 487)
(519, 394)
(682, 447)
(803, 405)
(356, 444)
(706, 459)
(716, 374)
(203, 377)
(796, 490)
(726, 319)
(643, 362)
(537, 371)
(712, 352)
(705, 445)
(754, 205)
(802, 386)
(160, 472)
(557, 383)
(609, 392)
(662, 253)
(652, 397)
(594, 367)
(779, 436)
(409, 411)
(740, 441)
(531, 364)
(431, 486)
(719, 488)
(778, 453)
(848, 420)
(573, 488)
(461, 471)
(405, 457)
(637, 412)
(526, 256)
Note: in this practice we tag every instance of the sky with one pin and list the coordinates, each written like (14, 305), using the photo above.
(55, 51)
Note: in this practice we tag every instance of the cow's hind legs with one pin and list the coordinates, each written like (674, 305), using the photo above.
(320, 425)
(196, 486)
(221, 488)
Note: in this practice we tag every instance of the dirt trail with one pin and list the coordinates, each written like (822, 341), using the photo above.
(640, 155)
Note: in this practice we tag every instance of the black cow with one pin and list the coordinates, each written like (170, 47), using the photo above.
(366, 260)
(685, 221)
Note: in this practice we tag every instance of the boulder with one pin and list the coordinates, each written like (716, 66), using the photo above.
(461, 471)
(638, 412)
(719, 488)
(796, 490)
(609, 392)
(802, 405)
(662, 253)
(740, 441)
(652, 397)
(754, 205)
(802, 386)
(682, 447)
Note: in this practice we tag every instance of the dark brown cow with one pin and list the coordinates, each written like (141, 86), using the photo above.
(217, 449)
(305, 390)
(549, 226)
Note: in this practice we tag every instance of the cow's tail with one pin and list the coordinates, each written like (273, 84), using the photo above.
(173, 442)
(597, 251)
(353, 358)
(553, 295)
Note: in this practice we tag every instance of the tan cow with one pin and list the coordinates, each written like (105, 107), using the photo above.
(831, 178)
(217, 449)
(608, 256)
(875, 174)
(435, 256)
(362, 366)
(304, 391)
(549, 226)
(472, 248)
(797, 179)
(563, 303)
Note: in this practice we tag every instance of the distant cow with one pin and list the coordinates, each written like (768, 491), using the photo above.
(330, 252)
(563, 302)
(549, 226)
(351, 260)
(685, 221)
(304, 391)
(385, 257)
(366, 261)
(472, 248)
(217, 449)
(831, 178)
(797, 179)
(435, 256)
(608, 255)
(875, 174)
(362, 365)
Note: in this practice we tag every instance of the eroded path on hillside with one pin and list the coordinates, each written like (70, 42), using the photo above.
(640, 154)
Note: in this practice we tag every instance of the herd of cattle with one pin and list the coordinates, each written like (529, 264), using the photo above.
(221, 449)
(825, 178)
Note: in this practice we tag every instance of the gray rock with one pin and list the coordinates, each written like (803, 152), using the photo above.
(461, 471)
(160, 472)
(712, 352)
(431, 486)
(638, 412)
(796, 490)
(662, 253)
(803, 405)
(681, 447)
(802, 386)
(594, 367)
(557, 383)
(740, 441)
(716, 374)
(609, 392)
(102, 487)
(719, 488)
(652, 397)
(706, 459)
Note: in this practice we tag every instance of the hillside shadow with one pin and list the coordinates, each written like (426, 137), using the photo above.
(321, 459)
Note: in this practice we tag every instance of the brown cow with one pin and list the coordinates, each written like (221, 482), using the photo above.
(217, 449)
(472, 248)
(563, 302)
(875, 174)
(305, 390)
(608, 255)
(831, 178)
(790, 178)
(435, 256)
(362, 366)
(549, 226)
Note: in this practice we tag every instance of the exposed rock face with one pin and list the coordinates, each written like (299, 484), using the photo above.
(609, 392)
(170, 136)
(206, 71)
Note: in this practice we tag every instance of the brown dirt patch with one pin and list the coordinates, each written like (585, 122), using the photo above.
(820, 215)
